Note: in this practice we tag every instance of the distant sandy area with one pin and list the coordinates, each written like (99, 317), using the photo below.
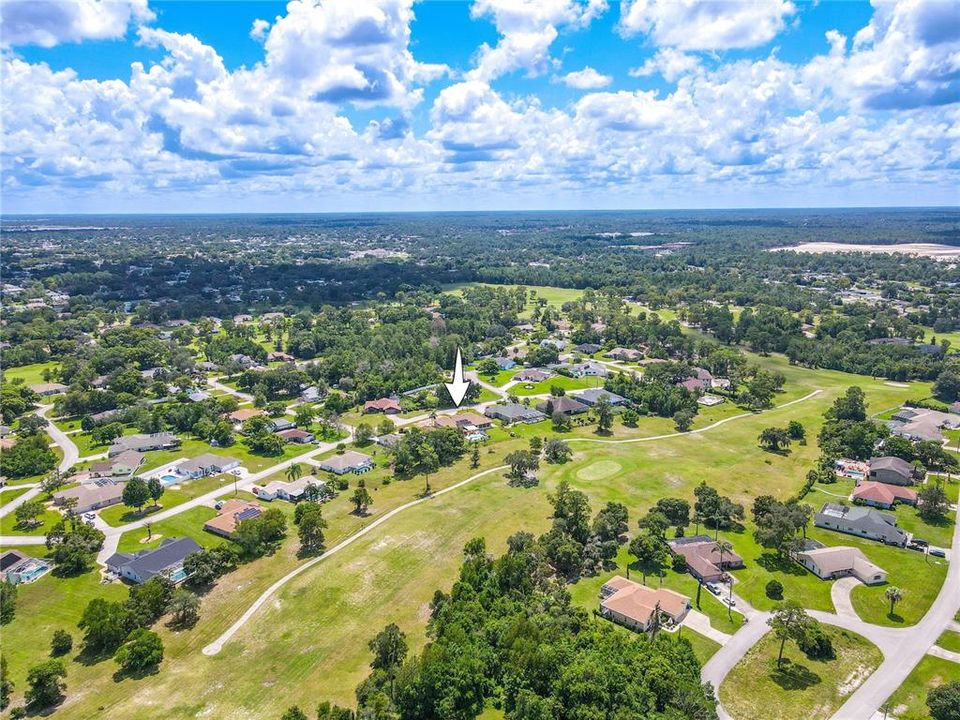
(930, 250)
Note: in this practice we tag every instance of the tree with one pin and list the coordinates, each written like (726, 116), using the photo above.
(561, 421)
(311, 526)
(475, 457)
(184, 608)
(650, 553)
(147, 601)
(362, 435)
(304, 416)
(155, 488)
(773, 439)
(849, 406)
(604, 413)
(142, 649)
(683, 420)
(294, 713)
(947, 386)
(294, 472)
(630, 417)
(28, 513)
(522, 463)
(932, 502)
(6, 685)
(676, 510)
(774, 590)
(361, 500)
(789, 622)
(389, 648)
(536, 444)
(61, 643)
(52, 482)
(45, 684)
(8, 602)
(135, 493)
(796, 431)
(894, 595)
(944, 701)
(557, 452)
(428, 462)
(105, 624)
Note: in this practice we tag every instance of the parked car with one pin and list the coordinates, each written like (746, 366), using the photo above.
(89, 516)
(914, 546)
(920, 541)
(937, 552)
(714, 588)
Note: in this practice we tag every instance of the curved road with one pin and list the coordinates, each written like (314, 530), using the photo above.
(70, 457)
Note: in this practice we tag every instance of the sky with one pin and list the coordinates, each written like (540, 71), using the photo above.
(126, 106)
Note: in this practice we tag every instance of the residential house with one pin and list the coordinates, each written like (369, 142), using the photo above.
(588, 369)
(387, 406)
(276, 356)
(289, 491)
(199, 396)
(47, 389)
(505, 363)
(593, 395)
(141, 443)
(106, 416)
(244, 414)
(862, 522)
(709, 400)
(207, 464)
(853, 469)
(830, 563)
(349, 462)
(624, 354)
(229, 515)
(310, 394)
(882, 495)
(532, 375)
(295, 435)
(720, 383)
(389, 440)
(563, 404)
(892, 471)
(558, 344)
(922, 423)
(164, 561)
(587, 348)
(514, 413)
(242, 318)
(280, 424)
(634, 605)
(124, 464)
(703, 557)
(18, 568)
(100, 493)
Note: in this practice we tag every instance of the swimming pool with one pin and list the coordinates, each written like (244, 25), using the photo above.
(178, 575)
(169, 479)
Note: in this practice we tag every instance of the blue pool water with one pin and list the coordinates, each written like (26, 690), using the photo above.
(169, 479)
(178, 576)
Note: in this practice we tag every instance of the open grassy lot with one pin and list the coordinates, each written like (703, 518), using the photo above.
(117, 515)
(8, 495)
(567, 383)
(501, 378)
(87, 446)
(30, 374)
(50, 517)
(950, 640)
(802, 688)
(554, 296)
(188, 523)
(309, 641)
(67, 423)
(909, 702)
(191, 448)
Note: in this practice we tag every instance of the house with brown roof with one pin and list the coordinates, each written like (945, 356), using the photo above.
(882, 495)
(624, 354)
(244, 414)
(465, 422)
(563, 404)
(231, 513)
(387, 406)
(47, 389)
(703, 557)
(296, 435)
(532, 375)
(634, 605)
(100, 493)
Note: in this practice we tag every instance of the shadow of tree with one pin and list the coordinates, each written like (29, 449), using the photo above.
(793, 676)
(771, 562)
(895, 617)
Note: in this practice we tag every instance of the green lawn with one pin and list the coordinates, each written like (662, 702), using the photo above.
(554, 296)
(188, 523)
(191, 448)
(501, 378)
(567, 383)
(68, 423)
(909, 702)
(8, 495)
(87, 446)
(802, 689)
(30, 374)
(950, 640)
(117, 515)
(50, 517)
(940, 533)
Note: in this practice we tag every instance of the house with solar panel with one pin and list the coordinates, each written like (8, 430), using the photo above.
(231, 514)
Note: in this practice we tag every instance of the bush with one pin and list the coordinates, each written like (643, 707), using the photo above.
(61, 644)
(143, 649)
(816, 644)
(679, 564)
(774, 590)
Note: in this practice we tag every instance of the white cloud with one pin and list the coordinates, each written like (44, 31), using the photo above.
(528, 29)
(711, 25)
(50, 22)
(586, 79)
(669, 62)
(258, 30)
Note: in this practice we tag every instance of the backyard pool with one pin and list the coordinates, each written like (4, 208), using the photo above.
(179, 575)
(169, 479)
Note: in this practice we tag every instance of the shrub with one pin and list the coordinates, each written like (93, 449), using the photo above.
(62, 643)
(679, 564)
(816, 644)
(774, 590)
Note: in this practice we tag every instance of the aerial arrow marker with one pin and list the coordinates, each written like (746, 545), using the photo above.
(458, 388)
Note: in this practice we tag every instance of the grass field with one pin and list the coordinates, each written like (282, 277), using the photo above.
(909, 702)
(567, 383)
(950, 640)
(188, 523)
(117, 515)
(30, 374)
(50, 517)
(308, 642)
(803, 689)
(554, 296)
(8, 495)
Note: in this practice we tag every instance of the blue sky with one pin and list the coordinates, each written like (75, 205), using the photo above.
(132, 105)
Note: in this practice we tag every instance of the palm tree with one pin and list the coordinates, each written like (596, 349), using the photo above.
(722, 546)
(894, 595)
(294, 472)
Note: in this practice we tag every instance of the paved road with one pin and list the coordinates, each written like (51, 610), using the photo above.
(70, 457)
(215, 647)
(241, 396)
(945, 654)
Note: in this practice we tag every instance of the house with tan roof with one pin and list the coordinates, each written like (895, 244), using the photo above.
(633, 605)
(830, 563)
(124, 464)
(100, 493)
(703, 557)
(231, 513)
(289, 491)
(244, 414)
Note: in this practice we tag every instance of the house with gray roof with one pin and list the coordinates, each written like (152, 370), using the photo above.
(348, 462)
(862, 522)
(563, 404)
(165, 560)
(916, 423)
(141, 442)
(588, 369)
(593, 395)
(208, 464)
(514, 413)
(892, 471)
